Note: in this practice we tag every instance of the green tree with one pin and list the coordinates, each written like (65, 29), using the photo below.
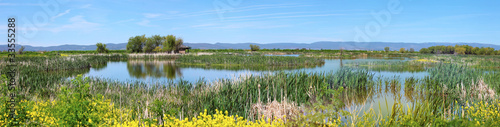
(178, 42)
(135, 44)
(150, 45)
(489, 51)
(157, 39)
(450, 50)
(460, 50)
(101, 48)
(402, 50)
(386, 49)
(254, 47)
(412, 50)
(475, 51)
(20, 50)
(157, 49)
(169, 43)
(482, 51)
(424, 50)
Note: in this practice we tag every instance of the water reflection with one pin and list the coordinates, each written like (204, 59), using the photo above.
(156, 69)
(98, 67)
(169, 70)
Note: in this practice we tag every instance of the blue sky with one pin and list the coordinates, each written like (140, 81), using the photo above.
(86, 22)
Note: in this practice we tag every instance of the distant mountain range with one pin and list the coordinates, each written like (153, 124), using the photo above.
(315, 45)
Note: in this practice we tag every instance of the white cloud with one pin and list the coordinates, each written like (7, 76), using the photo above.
(152, 15)
(250, 25)
(144, 22)
(77, 23)
(238, 9)
(61, 14)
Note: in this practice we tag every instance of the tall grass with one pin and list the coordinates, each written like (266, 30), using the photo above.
(185, 99)
(248, 60)
(392, 66)
(447, 76)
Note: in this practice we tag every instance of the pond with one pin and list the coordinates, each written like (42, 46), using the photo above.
(161, 71)
(158, 71)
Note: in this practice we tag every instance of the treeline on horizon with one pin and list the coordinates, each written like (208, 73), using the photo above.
(155, 43)
(459, 49)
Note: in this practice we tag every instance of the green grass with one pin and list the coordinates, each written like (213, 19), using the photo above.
(392, 66)
(247, 60)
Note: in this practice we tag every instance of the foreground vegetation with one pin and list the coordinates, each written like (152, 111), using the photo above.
(294, 98)
(458, 90)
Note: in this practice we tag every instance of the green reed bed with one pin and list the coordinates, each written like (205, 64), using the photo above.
(475, 61)
(458, 82)
(437, 111)
(350, 78)
(411, 83)
(153, 56)
(252, 68)
(393, 66)
(247, 60)
(493, 80)
(36, 72)
(449, 75)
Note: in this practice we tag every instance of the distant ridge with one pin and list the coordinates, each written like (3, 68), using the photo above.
(315, 45)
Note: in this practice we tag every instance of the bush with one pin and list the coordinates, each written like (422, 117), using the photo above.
(254, 47)
(101, 48)
(157, 49)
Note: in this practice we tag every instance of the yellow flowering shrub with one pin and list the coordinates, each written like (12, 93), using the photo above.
(483, 113)
(426, 60)
(47, 113)
(42, 114)
(74, 106)
(221, 120)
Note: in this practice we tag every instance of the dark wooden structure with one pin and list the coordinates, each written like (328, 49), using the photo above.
(184, 49)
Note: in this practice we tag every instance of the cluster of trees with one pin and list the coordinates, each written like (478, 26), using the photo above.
(401, 50)
(155, 43)
(101, 48)
(460, 49)
(254, 47)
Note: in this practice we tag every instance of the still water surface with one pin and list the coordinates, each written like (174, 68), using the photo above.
(160, 71)
(157, 71)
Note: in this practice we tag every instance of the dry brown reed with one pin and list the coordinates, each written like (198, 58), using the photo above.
(478, 90)
(275, 110)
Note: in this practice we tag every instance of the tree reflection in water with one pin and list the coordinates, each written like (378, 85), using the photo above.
(99, 66)
(157, 69)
